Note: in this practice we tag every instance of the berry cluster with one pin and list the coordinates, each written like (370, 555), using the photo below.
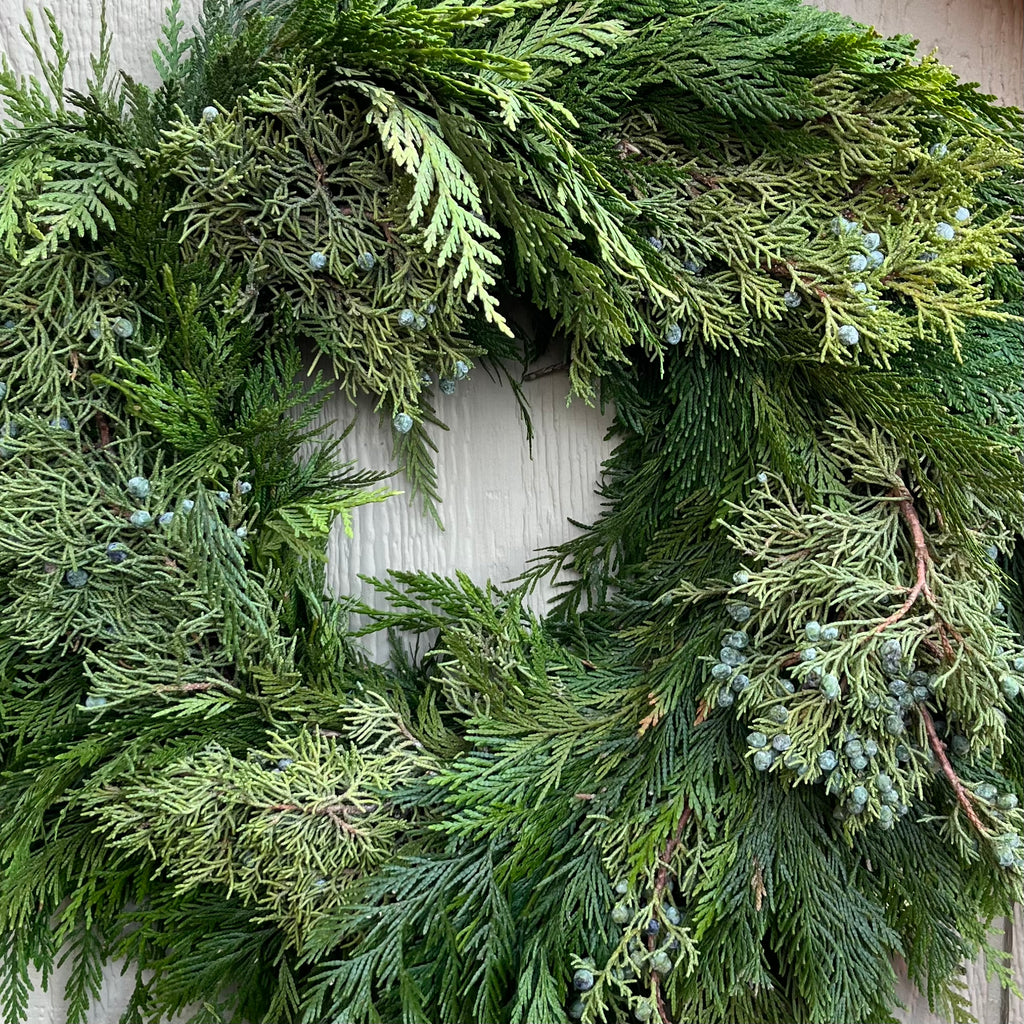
(788, 693)
(651, 931)
(731, 658)
(365, 262)
(139, 488)
(403, 422)
(121, 326)
(410, 319)
(870, 258)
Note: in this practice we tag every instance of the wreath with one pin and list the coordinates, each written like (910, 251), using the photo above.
(768, 736)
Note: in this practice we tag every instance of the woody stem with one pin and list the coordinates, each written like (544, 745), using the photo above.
(921, 559)
(661, 880)
(962, 796)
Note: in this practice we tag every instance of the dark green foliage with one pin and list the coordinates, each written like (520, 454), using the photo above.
(774, 711)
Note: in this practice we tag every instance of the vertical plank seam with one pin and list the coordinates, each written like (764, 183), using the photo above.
(1004, 994)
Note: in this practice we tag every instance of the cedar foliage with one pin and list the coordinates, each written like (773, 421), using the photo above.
(769, 736)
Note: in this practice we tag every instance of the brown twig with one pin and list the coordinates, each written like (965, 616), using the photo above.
(705, 179)
(659, 999)
(785, 269)
(340, 822)
(336, 813)
(670, 848)
(962, 796)
(104, 429)
(757, 884)
(403, 729)
(947, 647)
(921, 558)
(186, 688)
(321, 170)
(545, 371)
(661, 881)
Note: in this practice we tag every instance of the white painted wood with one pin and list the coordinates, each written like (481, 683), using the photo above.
(134, 25)
(499, 505)
(980, 39)
(989, 1002)
(1014, 1004)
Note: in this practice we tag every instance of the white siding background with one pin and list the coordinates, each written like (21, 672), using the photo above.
(499, 505)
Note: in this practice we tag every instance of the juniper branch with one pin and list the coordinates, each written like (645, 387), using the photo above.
(963, 798)
(921, 560)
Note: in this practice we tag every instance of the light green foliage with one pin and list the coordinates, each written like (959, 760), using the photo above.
(168, 57)
(844, 569)
(64, 203)
(269, 810)
(27, 101)
(777, 707)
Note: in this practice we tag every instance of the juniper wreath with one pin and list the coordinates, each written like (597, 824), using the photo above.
(770, 734)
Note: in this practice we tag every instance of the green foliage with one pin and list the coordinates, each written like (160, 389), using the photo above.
(50, 164)
(170, 52)
(776, 707)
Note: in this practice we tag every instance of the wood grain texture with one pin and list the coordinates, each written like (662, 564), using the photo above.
(499, 504)
(981, 40)
(134, 25)
(1013, 1003)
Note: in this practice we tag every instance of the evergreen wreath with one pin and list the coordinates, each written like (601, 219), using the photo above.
(769, 735)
